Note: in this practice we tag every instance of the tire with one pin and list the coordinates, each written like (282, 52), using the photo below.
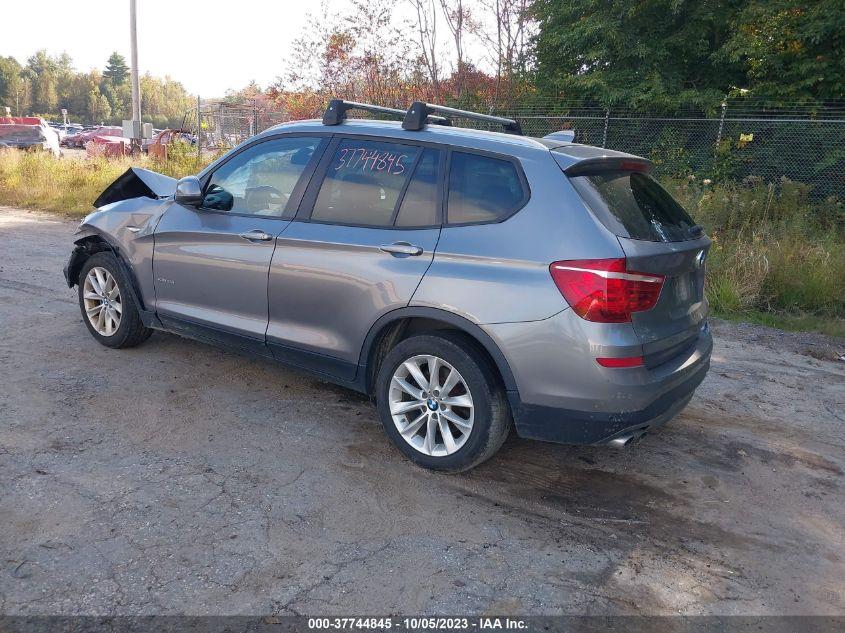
(130, 330)
(484, 425)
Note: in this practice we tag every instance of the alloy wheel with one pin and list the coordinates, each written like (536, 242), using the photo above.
(431, 405)
(101, 297)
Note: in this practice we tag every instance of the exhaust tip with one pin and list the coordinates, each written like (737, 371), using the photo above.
(623, 441)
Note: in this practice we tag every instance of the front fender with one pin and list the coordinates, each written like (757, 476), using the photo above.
(87, 241)
(127, 227)
(92, 241)
(74, 264)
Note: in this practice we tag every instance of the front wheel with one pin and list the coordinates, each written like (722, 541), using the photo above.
(441, 402)
(108, 307)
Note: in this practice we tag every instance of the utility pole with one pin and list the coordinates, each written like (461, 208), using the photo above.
(136, 82)
(199, 131)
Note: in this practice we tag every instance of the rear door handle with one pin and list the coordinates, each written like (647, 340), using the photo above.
(401, 248)
(256, 235)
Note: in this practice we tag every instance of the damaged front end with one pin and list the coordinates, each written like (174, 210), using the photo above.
(124, 221)
(136, 182)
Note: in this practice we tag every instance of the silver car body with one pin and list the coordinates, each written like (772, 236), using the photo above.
(321, 296)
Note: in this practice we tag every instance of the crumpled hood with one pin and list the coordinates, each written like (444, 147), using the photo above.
(136, 182)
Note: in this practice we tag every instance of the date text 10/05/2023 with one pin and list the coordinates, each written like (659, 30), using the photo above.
(418, 623)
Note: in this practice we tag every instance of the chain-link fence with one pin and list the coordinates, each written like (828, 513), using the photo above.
(223, 125)
(737, 142)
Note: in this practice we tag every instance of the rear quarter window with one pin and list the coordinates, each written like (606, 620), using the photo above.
(634, 205)
(482, 189)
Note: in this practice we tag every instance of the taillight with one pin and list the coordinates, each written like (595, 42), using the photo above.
(604, 290)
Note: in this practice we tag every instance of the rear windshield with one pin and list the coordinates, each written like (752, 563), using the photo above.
(633, 204)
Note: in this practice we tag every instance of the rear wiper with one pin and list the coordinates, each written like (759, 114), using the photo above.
(696, 230)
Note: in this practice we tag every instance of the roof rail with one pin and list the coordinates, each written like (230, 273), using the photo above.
(415, 117)
(336, 112)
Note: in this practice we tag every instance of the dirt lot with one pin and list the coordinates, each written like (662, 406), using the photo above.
(178, 478)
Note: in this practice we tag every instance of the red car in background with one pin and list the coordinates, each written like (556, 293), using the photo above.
(79, 140)
(29, 133)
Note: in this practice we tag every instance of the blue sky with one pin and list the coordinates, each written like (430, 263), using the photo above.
(208, 45)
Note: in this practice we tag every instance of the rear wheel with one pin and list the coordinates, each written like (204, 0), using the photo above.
(108, 307)
(441, 403)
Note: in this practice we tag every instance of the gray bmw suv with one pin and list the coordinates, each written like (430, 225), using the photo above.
(468, 280)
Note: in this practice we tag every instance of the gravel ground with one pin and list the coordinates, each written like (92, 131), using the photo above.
(179, 478)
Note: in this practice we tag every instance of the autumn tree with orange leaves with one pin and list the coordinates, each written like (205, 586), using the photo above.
(389, 54)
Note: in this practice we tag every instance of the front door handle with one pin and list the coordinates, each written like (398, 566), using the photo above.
(401, 248)
(256, 235)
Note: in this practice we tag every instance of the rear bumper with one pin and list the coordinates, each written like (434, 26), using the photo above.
(565, 396)
(566, 426)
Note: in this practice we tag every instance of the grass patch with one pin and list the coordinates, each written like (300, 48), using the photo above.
(778, 256)
(832, 326)
(38, 180)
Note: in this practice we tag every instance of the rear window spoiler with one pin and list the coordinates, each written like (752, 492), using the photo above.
(136, 182)
(597, 165)
(564, 136)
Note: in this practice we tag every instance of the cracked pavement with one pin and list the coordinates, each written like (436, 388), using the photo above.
(177, 478)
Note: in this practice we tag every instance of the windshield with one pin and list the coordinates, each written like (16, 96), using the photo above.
(634, 205)
(20, 134)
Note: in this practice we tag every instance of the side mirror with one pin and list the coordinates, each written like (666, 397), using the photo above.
(188, 191)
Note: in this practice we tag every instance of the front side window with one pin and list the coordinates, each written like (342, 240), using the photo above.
(364, 181)
(260, 180)
(482, 189)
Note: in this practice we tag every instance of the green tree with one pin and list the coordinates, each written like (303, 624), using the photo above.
(119, 98)
(99, 109)
(11, 85)
(690, 52)
(116, 70)
(41, 71)
(791, 50)
(164, 101)
(655, 52)
(47, 83)
(66, 83)
(45, 99)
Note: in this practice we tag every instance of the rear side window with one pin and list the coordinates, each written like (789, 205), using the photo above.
(419, 206)
(364, 181)
(633, 204)
(482, 189)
